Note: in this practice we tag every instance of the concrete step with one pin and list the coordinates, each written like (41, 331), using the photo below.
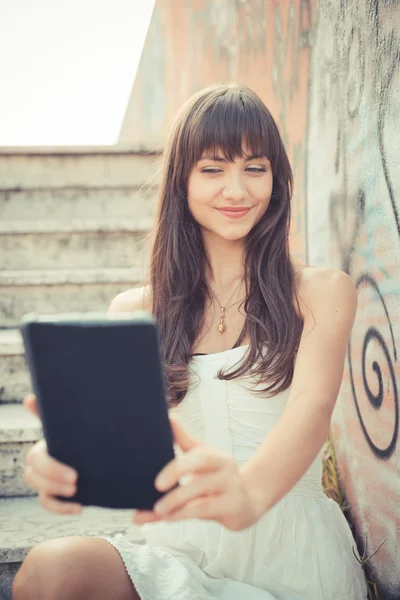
(14, 376)
(19, 430)
(80, 243)
(61, 290)
(77, 203)
(76, 167)
(24, 524)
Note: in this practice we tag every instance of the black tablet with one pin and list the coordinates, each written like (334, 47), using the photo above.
(100, 390)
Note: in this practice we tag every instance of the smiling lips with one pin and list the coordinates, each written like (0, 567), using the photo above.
(234, 213)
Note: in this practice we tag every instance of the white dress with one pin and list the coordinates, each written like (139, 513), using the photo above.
(301, 549)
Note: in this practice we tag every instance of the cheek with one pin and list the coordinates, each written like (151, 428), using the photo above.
(200, 210)
(199, 194)
(193, 192)
(262, 193)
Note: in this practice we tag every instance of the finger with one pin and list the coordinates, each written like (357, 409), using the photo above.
(198, 460)
(220, 508)
(215, 483)
(47, 466)
(207, 507)
(57, 506)
(47, 486)
(145, 516)
(181, 437)
(31, 404)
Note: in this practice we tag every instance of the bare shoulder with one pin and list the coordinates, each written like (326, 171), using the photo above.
(131, 300)
(324, 289)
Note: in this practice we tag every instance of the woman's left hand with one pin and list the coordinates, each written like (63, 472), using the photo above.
(216, 487)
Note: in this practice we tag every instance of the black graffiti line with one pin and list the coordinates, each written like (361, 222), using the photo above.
(365, 278)
(372, 332)
(383, 453)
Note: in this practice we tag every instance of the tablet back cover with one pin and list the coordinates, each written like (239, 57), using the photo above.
(101, 398)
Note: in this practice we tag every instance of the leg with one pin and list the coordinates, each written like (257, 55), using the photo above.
(73, 568)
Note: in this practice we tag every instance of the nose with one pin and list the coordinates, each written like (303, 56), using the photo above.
(234, 189)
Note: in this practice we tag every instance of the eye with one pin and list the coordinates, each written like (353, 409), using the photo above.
(250, 169)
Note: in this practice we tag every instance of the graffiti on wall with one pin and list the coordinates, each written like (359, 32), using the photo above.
(353, 223)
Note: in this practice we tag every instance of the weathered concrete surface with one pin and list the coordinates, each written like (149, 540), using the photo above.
(76, 203)
(50, 292)
(14, 375)
(12, 466)
(14, 378)
(38, 168)
(7, 574)
(73, 244)
(20, 429)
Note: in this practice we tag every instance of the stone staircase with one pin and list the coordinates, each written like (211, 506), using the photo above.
(74, 232)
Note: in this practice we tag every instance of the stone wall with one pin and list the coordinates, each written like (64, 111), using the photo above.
(353, 200)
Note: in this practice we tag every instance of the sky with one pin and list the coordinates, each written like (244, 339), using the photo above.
(67, 68)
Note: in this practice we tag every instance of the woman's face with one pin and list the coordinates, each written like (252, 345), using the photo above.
(215, 183)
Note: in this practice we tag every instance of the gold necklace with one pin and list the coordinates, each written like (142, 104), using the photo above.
(221, 325)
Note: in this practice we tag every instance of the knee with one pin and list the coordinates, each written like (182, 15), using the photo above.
(29, 580)
(43, 574)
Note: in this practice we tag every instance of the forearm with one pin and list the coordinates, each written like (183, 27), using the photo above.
(287, 452)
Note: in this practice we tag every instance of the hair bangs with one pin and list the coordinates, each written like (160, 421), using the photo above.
(226, 125)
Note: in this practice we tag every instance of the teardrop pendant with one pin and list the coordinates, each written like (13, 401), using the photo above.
(221, 327)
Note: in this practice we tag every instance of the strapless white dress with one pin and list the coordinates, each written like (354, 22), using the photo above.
(302, 549)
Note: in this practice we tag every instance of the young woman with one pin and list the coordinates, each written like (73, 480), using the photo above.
(254, 347)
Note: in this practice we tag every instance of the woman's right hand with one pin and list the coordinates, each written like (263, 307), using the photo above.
(49, 476)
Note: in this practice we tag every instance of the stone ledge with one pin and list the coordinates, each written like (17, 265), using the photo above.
(7, 574)
(20, 429)
(70, 276)
(96, 225)
(55, 293)
(24, 523)
(33, 169)
(18, 424)
(11, 342)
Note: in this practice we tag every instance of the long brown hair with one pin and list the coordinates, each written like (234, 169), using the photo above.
(220, 117)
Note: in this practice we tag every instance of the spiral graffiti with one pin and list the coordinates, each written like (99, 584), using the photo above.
(376, 399)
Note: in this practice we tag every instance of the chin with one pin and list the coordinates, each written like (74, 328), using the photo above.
(234, 236)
